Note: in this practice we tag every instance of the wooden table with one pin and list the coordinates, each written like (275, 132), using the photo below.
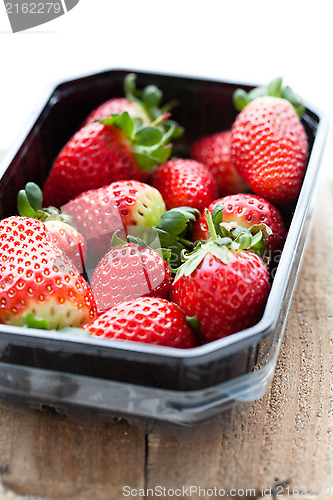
(284, 439)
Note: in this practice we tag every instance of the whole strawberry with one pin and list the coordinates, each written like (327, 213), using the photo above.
(120, 146)
(137, 104)
(99, 213)
(38, 282)
(148, 320)
(185, 183)
(246, 210)
(127, 272)
(64, 235)
(222, 283)
(269, 148)
(117, 105)
(214, 152)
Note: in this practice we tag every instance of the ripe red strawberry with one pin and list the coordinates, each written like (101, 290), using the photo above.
(122, 146)
(37, 279)
(222, 284)
(246, 210)
(185, 183)
(214, 152)
(98, 213)
(269, 149)
(68, 239)
(95, 156)
(117, 105)
(127, 272)
(148, 320)
(144, 104)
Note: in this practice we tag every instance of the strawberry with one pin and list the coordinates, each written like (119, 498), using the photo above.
(99, 213)
(214, 152)
(222, 283)
(185, 183)
(246, 210)
(68, 239)
(137, 104)
(127, 272)
(148, 320)
(269, 147)
(38, 282)
(117, 105)
(119, 147)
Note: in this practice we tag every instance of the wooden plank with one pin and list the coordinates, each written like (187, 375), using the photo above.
(52, 456)
(287, 435)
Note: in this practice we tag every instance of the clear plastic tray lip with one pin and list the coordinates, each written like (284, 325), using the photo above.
(274, 303)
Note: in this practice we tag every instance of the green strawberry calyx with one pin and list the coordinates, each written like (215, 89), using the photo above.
(32, 321)
(150, 99)
(223, 238)
(150, 144)
(30, 204)
(241, 98)
(170, 237)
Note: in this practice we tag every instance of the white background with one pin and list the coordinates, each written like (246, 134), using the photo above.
(252, 41)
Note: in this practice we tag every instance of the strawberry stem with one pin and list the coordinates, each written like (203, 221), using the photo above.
(211, 226)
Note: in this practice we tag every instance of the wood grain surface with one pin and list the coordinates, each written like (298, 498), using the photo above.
(282, 443)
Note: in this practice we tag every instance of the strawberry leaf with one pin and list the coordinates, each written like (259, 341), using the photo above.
(152, 97)
(148, 136)
(190, 265)
(221, 253)
(34, 195)
(23, 206)
(145, 161)
(176, 220)
(136, 240)
(161, 154)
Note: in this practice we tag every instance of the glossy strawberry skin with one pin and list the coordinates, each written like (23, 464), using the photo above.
(95, 156)
(69, 240)
(184, 183)
(127, 272)
(148, 320)
(247, 210)
(37, 277)
(225, 298)
(98, 213)
(118, 105)
(269, 149)
(214, 152)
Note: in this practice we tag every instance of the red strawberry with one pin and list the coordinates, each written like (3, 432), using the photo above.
(214, 152)
(144, 104)
(222, 285)
(118, 105)
(269, 149)
(120, 147)
(246, 210)
(148, 320)
(127, 272)
(98, 213)
(185, 183)
(37, 279)
(68, 239)
(95, 156)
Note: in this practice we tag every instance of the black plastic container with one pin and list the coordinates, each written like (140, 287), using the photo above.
(137, 380)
